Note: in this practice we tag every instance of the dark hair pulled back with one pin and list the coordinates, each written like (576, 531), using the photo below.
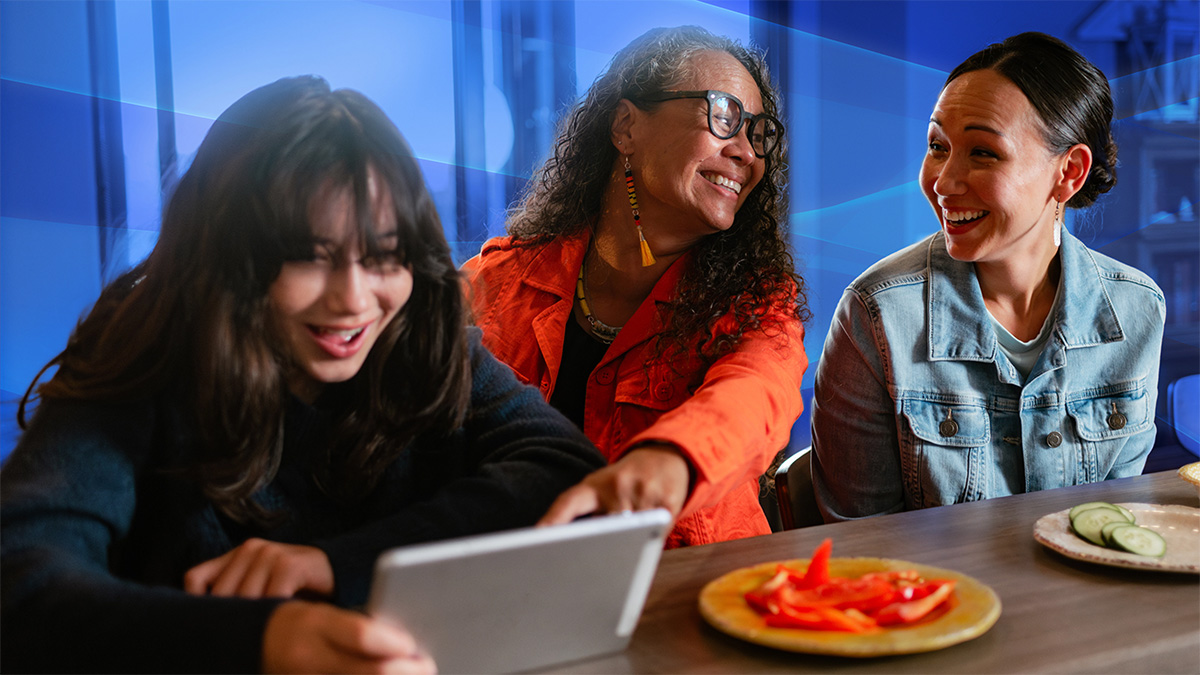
(1070, 95)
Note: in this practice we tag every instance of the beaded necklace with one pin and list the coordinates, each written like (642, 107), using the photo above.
(603, 332)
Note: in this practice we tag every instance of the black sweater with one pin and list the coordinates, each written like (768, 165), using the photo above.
(97, 527)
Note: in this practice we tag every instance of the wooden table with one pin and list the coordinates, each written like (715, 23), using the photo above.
(1059, 615)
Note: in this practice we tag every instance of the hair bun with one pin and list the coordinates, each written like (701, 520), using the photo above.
(1101, 179)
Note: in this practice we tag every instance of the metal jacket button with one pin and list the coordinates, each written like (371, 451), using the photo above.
(948, 427)
(1054, 439)
(663, 391)
(604, 376)
(1115, 419)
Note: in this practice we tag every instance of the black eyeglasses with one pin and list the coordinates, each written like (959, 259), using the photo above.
(726, 115)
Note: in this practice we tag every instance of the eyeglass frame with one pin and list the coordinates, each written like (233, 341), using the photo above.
(709, 95)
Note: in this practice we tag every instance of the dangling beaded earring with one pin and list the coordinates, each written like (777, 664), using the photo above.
(647, 256)
(1057, 225)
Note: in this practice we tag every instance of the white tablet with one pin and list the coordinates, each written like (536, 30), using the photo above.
(526, 598)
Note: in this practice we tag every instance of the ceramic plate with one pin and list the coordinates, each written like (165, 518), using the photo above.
(1179, 525)
(977, 608)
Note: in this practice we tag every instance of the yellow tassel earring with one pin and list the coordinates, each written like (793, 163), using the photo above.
(647, 256)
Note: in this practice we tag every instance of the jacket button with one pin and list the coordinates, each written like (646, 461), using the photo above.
(663, 391)
(1116, 421)
(604, 376)
(948, 428)
(1054, 439)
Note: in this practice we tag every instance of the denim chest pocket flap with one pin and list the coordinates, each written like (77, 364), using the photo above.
(949, 424)
(1107, 416)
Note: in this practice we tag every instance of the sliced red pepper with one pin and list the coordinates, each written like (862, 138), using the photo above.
(915, 610)
(865, 594)
(850, 620)
(921, 590)
(791, 617)
(757, 601)
(868, 622)
(765, 597)
(821, 618)
(816, 601)
(818, 566)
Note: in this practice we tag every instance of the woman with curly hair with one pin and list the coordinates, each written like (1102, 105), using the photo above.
(1000, 355)
(286, 388)
(646, 288)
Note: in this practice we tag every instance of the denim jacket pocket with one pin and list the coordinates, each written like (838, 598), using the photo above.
(1111, 412)
(946, 452)
(1104, 419)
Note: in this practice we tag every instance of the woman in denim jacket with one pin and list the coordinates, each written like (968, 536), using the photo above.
(999, 355)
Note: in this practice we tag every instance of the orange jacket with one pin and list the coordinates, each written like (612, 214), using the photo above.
(729, 428)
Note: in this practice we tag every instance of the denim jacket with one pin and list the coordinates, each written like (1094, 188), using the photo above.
(916, 405)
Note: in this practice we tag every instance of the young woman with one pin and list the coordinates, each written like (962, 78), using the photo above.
(283, 390)
(999, 355)
(647, 288)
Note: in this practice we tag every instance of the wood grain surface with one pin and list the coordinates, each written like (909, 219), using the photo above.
(1059, 615)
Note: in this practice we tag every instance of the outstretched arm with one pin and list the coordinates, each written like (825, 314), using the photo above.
(514, 455)
(740, 416)
(648, 477)
(724, 434)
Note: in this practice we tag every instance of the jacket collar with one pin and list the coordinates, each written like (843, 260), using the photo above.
(1086, 317)
(958, 329)
(555, 269)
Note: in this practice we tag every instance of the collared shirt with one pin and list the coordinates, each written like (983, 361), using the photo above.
(729, 428)
(916, 405)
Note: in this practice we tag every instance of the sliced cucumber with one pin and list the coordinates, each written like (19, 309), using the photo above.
(1091, 505)
(1106, 531)
(1088, 523)
(1138, 540)
(1114, 526)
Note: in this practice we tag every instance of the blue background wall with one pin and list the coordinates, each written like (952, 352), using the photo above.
(103, 103)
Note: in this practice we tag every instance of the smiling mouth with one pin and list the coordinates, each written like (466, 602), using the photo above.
(340, 343)
(343, 336)
(717, 179)
(960, 218)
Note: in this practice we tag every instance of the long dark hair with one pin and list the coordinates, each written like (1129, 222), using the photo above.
(1070, 95)
(743, 269)
(194, 316)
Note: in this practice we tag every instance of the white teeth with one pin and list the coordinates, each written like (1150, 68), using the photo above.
(960, 216)
(716, 179)
(343, 335)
